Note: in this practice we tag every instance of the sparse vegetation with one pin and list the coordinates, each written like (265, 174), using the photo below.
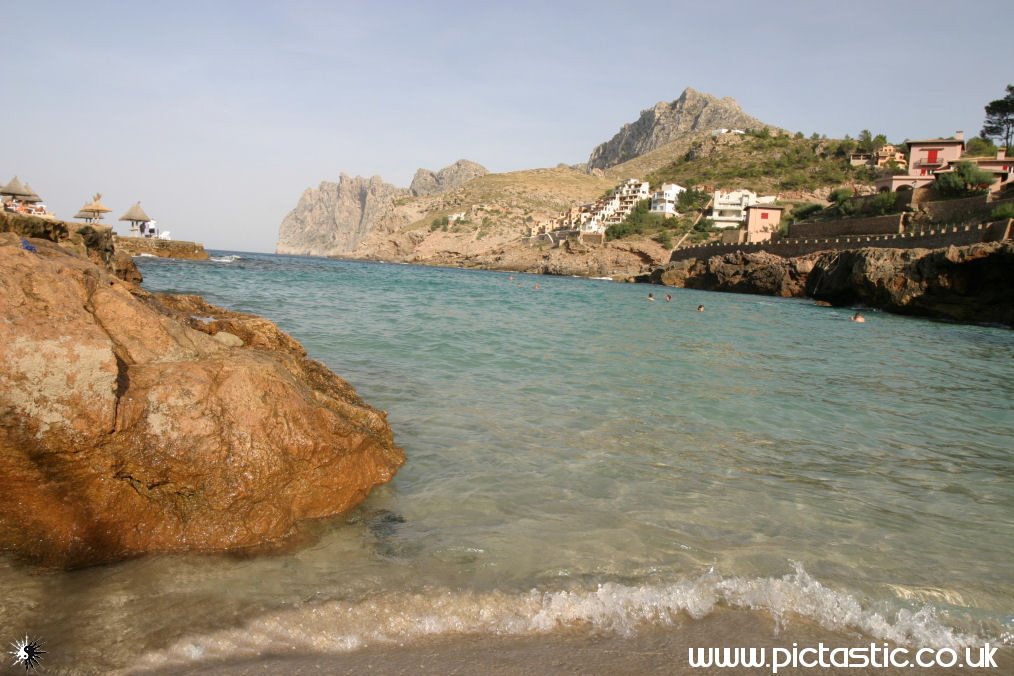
(765, 163)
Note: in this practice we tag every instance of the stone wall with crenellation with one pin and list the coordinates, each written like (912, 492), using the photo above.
(934, 238)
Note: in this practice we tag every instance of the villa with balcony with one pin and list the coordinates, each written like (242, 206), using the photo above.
(928, 158)
(728, 209)
(924, 158)
(664, 200)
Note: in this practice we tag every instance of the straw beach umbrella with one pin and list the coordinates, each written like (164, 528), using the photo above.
(32, 197)
(15, 189)
(136, 216)
(93, 211)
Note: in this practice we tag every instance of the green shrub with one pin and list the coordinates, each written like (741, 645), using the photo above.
(800, 212)
(1003, 212)
(966, 180)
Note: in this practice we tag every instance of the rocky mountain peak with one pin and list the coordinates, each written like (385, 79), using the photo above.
(427, 182)
(663, 123)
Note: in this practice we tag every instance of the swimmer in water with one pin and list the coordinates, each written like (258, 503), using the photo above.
(700, 308)
(857, 318)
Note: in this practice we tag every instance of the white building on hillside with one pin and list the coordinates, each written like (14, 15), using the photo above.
(618, 206)
(663, 200)
(728, 209)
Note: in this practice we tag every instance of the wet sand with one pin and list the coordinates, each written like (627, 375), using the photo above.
(652, 651)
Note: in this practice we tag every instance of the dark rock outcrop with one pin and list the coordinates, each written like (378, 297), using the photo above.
(969, 284)
(738, 272)
(427, 182)
(691, 113)
(128, 427)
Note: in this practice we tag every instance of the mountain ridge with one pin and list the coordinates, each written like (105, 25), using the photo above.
(369, 218)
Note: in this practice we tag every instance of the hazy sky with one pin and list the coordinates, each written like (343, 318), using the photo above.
(217, 115)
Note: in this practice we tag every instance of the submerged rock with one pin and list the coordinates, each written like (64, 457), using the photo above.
(126, 427)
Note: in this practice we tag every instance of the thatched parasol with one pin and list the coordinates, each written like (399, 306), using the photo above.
(15, 189)
(93, 211)
(135, 214)
(32, 197)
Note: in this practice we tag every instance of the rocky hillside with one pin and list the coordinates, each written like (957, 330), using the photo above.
(690, 114)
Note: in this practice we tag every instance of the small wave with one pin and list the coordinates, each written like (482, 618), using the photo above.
(225, 259)
(341, 627)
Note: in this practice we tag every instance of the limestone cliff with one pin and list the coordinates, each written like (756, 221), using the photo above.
(427, 182)
(332, 219)
(692, 113)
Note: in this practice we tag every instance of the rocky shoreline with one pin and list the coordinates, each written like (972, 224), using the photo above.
(967, 284)
(132, 423)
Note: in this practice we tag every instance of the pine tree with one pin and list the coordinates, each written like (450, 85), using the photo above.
(999, 122)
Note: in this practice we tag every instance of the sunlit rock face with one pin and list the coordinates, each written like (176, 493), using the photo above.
(128, 427)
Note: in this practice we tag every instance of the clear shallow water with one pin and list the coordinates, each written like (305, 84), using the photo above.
(579, 454)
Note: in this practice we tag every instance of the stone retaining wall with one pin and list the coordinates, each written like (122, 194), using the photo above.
(890, 224)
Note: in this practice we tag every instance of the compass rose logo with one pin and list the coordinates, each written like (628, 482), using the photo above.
(27, 652)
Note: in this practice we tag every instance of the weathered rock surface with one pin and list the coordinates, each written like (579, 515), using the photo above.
(127, 427)
(427, 182)
(969, 284)
(691, 113)
(738, 272)
(90, 241)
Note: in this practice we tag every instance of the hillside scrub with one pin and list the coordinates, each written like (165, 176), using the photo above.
(766, 163)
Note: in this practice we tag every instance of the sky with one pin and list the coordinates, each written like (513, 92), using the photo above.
(217, 115)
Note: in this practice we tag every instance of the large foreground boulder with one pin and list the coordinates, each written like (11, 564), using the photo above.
(128, 427)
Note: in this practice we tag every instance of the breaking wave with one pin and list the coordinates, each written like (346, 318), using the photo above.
(341, 627)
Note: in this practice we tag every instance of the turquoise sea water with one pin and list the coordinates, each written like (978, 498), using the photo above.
(578, 455)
